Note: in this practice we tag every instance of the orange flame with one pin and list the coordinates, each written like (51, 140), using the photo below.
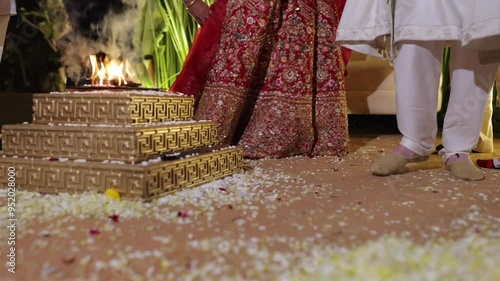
(104, 73)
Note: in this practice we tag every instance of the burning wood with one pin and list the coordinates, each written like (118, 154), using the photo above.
(106, 73)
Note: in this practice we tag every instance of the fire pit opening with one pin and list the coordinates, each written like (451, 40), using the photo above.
(104, 72)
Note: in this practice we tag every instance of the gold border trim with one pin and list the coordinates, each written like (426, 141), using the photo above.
(113, 109)
(131, 181)
(96, 143)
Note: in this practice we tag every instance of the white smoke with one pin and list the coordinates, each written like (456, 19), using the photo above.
(75, 51)
(115, 38)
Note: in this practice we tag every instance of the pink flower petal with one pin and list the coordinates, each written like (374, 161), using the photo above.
(183, 214)
(115, 218)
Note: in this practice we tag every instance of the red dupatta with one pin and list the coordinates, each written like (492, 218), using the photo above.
(192, 78)
(346, 53)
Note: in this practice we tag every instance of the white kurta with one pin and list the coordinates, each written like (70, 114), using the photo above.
(8, 7)
(366, 25)
(13, 9)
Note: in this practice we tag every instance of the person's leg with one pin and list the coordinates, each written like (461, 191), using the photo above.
(485, 143)
(417, 70)
(471, 83)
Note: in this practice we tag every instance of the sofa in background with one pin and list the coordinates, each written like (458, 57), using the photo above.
(370, 86)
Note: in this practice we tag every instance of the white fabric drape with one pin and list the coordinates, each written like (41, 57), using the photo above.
(366, 25)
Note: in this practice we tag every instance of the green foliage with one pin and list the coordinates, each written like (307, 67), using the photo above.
(50, 18)
(496, 111)
(445, 86)
(30, 61)
(165, 34)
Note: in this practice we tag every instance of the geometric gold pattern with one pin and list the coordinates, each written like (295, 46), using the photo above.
(130, 144)
(111, 108)
(91, 141)
(130, 180)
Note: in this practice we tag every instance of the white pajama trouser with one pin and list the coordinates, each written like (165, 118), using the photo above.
(417, 73)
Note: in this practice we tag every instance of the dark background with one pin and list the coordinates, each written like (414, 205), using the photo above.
(29, 64)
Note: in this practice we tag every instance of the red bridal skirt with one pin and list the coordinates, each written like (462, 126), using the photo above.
(274, 81)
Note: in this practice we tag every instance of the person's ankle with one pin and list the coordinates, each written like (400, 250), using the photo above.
(457, 157)
(405, 152)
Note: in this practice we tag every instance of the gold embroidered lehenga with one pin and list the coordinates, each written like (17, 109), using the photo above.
(276, 83)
